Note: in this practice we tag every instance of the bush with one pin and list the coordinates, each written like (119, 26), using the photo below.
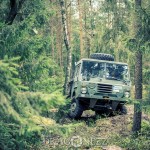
(12, 139)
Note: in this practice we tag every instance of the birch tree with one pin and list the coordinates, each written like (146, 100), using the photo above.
(67, 44)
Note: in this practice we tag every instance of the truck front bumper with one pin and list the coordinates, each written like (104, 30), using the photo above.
(103, 97)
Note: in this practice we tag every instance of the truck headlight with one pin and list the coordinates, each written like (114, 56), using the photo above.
(127, 94)
(117, 88)
(83, 90)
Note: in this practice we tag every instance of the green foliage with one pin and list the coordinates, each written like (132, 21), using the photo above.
(42, 74)
(11, 139)
(133, 141)
(63, 111)
(28, 37)
(6, 137)
(29, 103)
(25, 116)
(9, 81)
(7, 113)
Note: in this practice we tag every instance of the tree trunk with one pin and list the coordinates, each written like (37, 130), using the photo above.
(14, 8)
(138, 70)
(87, 40)
(59, 39)
(138, 92)
(69, 20)
(52, 42)
(81, 30)
(116, 29)
(67, 44)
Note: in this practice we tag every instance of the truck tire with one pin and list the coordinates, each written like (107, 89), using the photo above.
(76, 109)
(122, 110)
(102, 56)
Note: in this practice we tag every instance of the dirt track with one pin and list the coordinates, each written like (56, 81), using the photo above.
(105, 125)
(116, 124)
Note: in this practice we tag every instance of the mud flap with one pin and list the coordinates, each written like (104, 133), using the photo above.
(114, 105)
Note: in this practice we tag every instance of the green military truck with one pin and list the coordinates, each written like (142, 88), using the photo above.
(99, 83)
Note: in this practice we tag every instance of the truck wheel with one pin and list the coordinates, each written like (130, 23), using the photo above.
(122, 109)
(102, 56)
(76, 109)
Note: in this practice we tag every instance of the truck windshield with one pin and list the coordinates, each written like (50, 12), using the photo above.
(117, 72)
(110, 71)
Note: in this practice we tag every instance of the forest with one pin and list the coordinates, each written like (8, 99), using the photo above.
(40, 43)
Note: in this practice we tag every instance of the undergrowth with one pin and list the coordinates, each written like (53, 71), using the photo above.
(134, 142)
(25, 116)
(38, 121)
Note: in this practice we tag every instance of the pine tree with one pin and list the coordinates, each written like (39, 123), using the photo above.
(138, 68)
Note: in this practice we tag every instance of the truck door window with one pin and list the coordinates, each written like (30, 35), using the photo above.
(77, 70)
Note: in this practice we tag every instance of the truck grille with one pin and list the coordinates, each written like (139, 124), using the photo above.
(104, 88)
